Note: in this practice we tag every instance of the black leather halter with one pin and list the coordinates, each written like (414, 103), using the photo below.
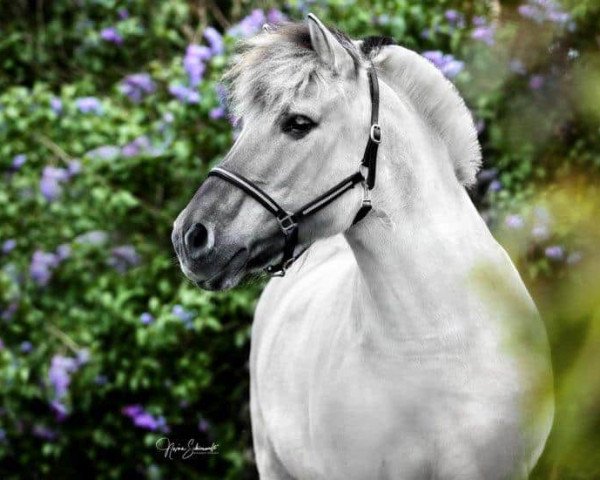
(289, 221)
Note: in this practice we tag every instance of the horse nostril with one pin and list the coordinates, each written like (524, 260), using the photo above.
(197, 238)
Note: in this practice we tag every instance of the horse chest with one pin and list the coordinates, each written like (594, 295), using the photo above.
(334, 410)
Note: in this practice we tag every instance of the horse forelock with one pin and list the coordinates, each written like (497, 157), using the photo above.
(273, 67)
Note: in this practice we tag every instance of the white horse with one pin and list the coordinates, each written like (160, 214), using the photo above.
(402, 347)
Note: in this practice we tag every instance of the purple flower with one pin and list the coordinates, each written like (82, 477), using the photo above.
(111, 35)
(426, 33)
(56, 105)
(193, 62)
(495, 186)
(554, 252)
(540, 232)
(8, 245)
(517, 66)
(452, 68)
(275, 17)
(455, 18)
(1, 344)
(484, 34)
(2, 435)
(73, 168)
(479, 21)
(200, 52)
(541, 11)
(249, 25)
(50, 182)
(123, 13)
(89, 105)
(217, 113)
(203, 425)
(93, 237)
(10, 311)
(487, 175)
(215, 40)
(446, 63)
(82, 357)
(168, 117)
(542, 214)
(480, 125)
(59, 374)
(41, 267)
(146, 318)
(222, 95)
(143, 419)
(149, 422)
(140, 145)
(132, 410)
(105, 152)
(43, 432)
(59, 409)
(181, 313)
(531, 12)
(381, 19)
(18, 161)
(514, 221)
(536, 82)
(26, 346)
(184, 94)
(123, 257)
(452, 15)
(559, 17)
(136, 85)
(59, 174)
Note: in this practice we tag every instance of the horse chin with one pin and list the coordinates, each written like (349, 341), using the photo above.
(228, 276)
(222, 282)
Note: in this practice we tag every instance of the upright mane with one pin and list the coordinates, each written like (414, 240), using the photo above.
(274, 66)
(437, 100)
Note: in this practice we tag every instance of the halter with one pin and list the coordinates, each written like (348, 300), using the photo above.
(289, 221)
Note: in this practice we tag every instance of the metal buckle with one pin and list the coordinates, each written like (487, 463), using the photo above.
(366, 199)
(287, 223)
(278, 273)
(281, 272)
(375, 133)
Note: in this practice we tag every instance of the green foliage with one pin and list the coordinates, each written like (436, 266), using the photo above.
(109, 286)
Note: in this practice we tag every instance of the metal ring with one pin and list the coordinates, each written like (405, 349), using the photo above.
(375, 133)
(286, 223)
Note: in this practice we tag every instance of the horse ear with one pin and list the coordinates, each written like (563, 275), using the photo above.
(329, 49)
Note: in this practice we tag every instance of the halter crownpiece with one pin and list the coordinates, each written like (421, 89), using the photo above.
(289, 221)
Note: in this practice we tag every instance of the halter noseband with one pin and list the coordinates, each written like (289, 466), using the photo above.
(289, 221)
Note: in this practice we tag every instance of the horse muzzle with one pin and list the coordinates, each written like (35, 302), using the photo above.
(208, 265)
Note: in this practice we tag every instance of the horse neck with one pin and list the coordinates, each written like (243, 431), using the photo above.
(416, 250)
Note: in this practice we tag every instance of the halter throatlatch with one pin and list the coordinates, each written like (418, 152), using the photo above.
(289, 221)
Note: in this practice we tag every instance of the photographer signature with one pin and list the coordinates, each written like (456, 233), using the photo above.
(184, 451)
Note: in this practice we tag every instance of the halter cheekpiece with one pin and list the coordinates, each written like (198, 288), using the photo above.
(289, 221)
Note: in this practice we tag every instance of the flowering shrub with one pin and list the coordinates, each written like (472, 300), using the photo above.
(111, 115)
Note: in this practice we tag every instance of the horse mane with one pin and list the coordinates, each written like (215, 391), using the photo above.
(438, 101)
(273, 67)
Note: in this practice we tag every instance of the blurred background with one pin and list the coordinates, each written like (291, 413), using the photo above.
(111, 114)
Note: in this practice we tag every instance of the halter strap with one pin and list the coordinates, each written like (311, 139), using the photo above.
(288, 221)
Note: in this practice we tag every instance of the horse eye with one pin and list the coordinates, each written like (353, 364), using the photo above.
(297, 126)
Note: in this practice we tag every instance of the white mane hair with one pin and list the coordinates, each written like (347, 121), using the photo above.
(273, 67)
(437, 100)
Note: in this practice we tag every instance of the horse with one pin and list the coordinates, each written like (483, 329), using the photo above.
(396, 338)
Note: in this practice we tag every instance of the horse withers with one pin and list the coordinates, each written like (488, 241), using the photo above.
(401, 342)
